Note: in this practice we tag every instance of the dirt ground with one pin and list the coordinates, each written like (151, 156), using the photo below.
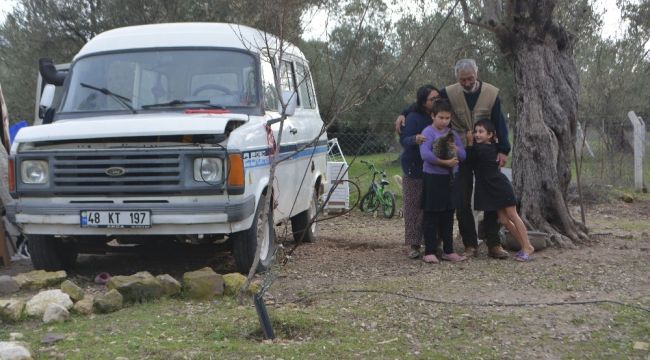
(360, 261)
(356, 249)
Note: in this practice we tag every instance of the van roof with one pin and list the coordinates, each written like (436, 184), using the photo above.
(176, 35)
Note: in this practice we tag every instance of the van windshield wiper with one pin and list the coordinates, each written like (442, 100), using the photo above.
(175, 103)
(122, 100)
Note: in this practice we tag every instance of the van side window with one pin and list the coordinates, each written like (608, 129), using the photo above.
(268, 86)
(287, 76)
(306, 94)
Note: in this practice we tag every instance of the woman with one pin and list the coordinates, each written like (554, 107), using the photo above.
(411, 137)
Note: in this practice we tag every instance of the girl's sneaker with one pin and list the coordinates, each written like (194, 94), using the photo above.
(453, 257)
(430, 259)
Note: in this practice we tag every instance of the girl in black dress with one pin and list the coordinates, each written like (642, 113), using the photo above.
(493, 189)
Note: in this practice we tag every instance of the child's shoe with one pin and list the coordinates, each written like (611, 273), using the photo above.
(453, 257)
(430, 259)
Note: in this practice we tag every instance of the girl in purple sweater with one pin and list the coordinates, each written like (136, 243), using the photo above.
(437, 196)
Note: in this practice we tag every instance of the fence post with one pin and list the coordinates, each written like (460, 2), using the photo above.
(639, 149)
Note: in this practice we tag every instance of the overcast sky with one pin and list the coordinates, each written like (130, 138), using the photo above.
(612, 19)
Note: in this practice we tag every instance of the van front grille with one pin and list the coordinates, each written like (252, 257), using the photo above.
(116, 172)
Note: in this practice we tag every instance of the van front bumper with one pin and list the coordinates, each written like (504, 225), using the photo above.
(186, 216)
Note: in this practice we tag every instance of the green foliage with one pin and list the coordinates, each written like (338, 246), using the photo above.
(59, 28)
(361, 70)
(361, 175)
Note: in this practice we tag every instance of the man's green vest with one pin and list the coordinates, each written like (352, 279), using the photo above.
(464, 119)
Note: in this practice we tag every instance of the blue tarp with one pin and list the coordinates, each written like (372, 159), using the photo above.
(13, 129)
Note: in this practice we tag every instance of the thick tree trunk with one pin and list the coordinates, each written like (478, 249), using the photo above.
(547, 87)
(546, 80)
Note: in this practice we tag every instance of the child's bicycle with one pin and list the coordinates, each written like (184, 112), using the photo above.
(376, 194)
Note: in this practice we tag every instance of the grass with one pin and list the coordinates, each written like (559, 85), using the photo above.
(606, 168)
(361, 175)
(340, 326)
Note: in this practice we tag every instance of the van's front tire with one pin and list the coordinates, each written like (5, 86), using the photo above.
(50, 253)
(304, 229)
(244, 243)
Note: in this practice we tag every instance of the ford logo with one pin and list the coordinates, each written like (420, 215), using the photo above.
(115, 171)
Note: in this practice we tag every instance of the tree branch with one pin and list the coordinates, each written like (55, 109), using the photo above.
(492, 24)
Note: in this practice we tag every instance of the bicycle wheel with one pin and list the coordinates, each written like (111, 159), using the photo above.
(389, 204)
(369, 202)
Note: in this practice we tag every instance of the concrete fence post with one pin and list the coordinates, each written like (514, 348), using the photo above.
(639, 148)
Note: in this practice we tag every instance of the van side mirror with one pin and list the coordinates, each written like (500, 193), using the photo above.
(49, 72)
(47, 97)
(49, 116)
(290, 98)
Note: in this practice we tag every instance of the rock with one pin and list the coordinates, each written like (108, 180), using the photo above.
(640, 345)
(11, 310)
(202, 284)
(170, 286)
(138, 287)
(39, 279)
(627, 198)
(10, 350)
(108, 302)
(15, 336)
(51, 338)
(539, 240)
(36, 306)
(8, 285)
(84, 306)
(73, 290)
(55, 313)
(234, 281)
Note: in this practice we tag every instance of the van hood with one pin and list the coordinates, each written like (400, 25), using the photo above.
(131, 125)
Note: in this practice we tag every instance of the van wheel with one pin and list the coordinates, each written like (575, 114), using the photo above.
(304, 230)
(244, 243)
(50, 253)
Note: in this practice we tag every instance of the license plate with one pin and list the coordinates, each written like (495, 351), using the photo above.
(115, 219)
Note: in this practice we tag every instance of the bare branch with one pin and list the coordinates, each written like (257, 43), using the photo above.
(469, 20)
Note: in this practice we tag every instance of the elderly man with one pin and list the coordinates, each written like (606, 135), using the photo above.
(472, 100)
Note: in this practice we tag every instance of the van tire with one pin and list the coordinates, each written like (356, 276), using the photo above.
(50, 253)
(244, 243)
(304, 230)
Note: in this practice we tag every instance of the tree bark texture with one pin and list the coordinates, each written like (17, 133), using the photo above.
(540, 52)
(547, 85)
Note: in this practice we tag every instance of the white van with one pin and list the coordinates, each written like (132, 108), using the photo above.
(166, 132)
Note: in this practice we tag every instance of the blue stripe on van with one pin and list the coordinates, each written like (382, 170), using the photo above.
(260, 157)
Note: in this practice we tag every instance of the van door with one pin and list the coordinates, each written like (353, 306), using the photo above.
(308, 125)
(286, 183)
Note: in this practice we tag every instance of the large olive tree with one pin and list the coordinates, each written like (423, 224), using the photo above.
(540, 52)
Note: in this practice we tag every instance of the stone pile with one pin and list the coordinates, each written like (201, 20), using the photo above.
(55, 305)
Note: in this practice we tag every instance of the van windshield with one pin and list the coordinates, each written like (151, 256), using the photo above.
(163, 79)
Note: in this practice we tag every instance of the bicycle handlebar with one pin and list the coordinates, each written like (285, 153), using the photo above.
(372, 167)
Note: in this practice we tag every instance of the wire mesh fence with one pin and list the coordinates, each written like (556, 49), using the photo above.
(366, 142)
(605, 151)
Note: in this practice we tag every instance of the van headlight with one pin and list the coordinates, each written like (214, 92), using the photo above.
(208, 169)
(34, 172)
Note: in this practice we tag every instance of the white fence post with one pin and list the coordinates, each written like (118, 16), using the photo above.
(639, 148)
